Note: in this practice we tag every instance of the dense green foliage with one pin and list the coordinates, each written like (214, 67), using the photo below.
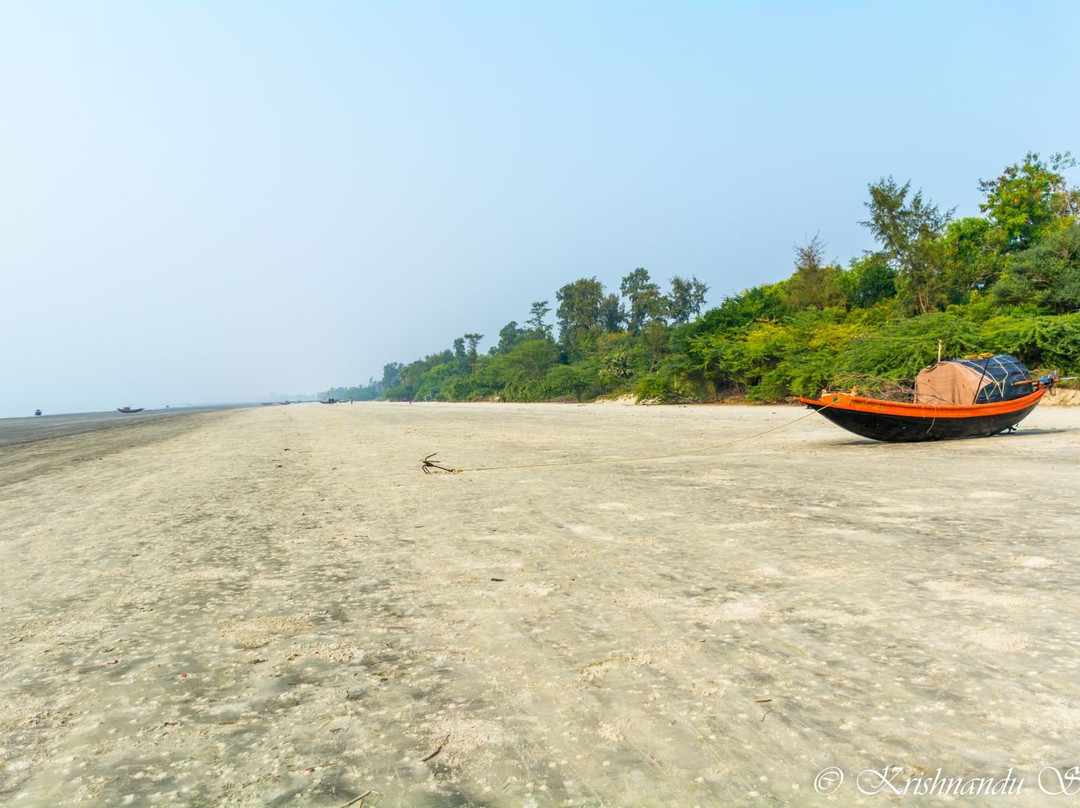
(1005, 282)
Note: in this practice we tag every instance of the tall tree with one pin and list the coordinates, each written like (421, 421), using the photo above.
(686, 300)
(1028, 198)
(579, 310)
(473, 340)
(815, 283)
(390, 376)
(644, 298)
(612, 313)
(460, 356)
(538, 329)
(509, 336)
(971, 257)
(908, 232)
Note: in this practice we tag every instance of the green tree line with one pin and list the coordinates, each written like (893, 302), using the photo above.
(1006, 281)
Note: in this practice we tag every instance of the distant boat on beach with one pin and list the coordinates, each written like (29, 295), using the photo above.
(954, 398)
(129, 410)
(37, 412)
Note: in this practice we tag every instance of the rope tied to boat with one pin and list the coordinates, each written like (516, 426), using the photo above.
(429, 466)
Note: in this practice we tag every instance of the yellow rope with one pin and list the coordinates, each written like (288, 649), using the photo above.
(430, 467)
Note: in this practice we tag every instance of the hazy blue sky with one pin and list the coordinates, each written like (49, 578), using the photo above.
(219, 201)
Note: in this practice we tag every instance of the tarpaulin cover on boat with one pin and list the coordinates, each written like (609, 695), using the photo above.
(972, 381)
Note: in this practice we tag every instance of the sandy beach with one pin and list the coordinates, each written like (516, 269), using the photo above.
(275, 606)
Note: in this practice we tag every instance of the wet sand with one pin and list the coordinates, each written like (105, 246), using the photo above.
(275, 606)
(44, 427)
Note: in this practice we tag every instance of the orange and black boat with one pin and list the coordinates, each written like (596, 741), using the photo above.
(954, 398)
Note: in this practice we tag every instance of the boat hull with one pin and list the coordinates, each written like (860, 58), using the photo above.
(893, 422)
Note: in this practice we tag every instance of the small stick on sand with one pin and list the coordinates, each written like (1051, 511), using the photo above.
(359, 800)
(437, 750)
